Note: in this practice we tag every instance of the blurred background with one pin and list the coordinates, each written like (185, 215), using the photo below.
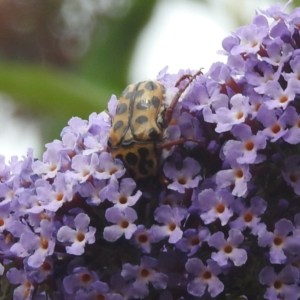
(64, 58)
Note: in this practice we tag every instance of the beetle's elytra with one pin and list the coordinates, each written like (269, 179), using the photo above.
(136, 135)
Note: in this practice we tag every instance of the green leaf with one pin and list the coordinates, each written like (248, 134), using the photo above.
(50, 96)
(51, 92)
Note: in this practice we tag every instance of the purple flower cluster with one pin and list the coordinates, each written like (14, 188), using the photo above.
(222, 221)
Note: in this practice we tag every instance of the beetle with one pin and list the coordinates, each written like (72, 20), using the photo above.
(137, 132)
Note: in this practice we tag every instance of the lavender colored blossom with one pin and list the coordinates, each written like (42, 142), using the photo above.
(123, 218)
(80, 279)
(91, 191)
(278, 96)
(171, 218)
(237, 176)
(275, 126)
(121, 194)
(82, 235)
(143, 238)
(185, 177)
(192, 240)
(248, 216)
(282, 285)
(142, 275)
(245, 150)
(227, 118)
(252, 36)
(205, 277)
(25, 289)
(228, 249)
(280, 241)
(215, 205)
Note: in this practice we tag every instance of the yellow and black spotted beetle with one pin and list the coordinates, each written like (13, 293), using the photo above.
(142, 115)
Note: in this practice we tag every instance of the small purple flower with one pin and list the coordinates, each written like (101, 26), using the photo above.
(84, 167)
(278, 52)
(275, 127)
(281, 286)
(52, 196)
(251, 37)
(42, 244)
(258, 74)
(214, 205)
(81, 278)
(185, 177)
(204, 94)
(121, 194)
(172, 218)
(192, 240)
(123, 218)
(108, 167)
(248, 216)
(41, 273)
(82, 235)
(25, 289)
(227, 118)
(144, 274)
(279, 97)
(236, 177)
(143, 238)
(10, 191)
(245, 150)
(205, 277)
(280, 241)
(276, 11)
(51, 165)
(228, 249)
(91, 191)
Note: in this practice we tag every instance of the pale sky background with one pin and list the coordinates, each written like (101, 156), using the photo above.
(182, 34)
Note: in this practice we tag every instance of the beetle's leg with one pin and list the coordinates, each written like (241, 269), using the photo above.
(169, 112)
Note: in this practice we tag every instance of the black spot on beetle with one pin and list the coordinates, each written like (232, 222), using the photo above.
(150, 86)
(118, 125)
(143, 104)
(155, 101)
(134, 94)
(141, 119)
(122, 108)
(131, 158)
(143, 152)
(153, 133)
